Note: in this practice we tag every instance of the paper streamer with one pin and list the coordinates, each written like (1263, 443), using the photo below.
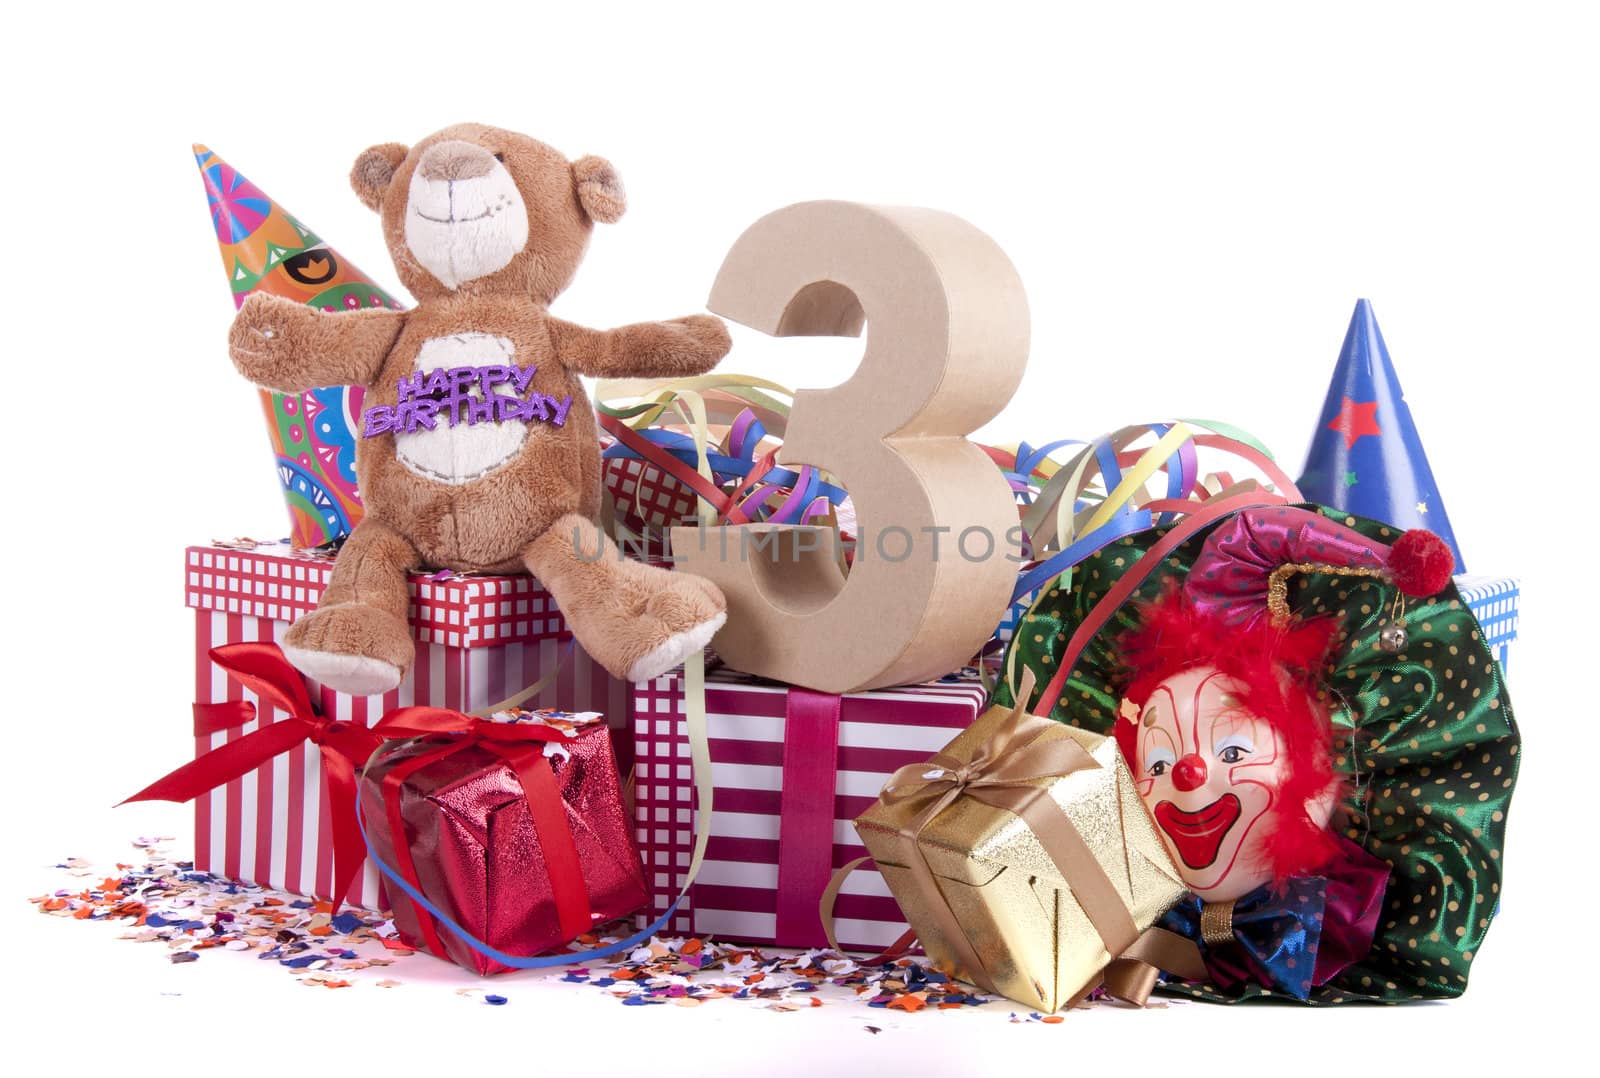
(708, 443)
(1111, 488)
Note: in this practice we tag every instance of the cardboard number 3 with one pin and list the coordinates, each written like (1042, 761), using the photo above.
(936, 522)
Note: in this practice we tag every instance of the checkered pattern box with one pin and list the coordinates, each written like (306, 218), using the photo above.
(1493, 600)
(479, 640)
(735, 897)
(648, 500)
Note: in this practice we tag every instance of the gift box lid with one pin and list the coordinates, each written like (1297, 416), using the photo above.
(279, 582)
(973, 842)
(964, 686)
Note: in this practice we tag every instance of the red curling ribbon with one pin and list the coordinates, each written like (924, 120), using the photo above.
(1279, 478)
(521, 746)
(648, 450)
(1275, 475)
(748, 483)
(1205, 513)
(806, 812)
(345, 747)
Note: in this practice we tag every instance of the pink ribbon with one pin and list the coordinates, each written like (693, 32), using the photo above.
(806, 813)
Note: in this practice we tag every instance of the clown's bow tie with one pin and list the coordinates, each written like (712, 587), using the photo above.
(1293, 941)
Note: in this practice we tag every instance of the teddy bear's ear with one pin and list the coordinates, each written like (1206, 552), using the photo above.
(599, 189)
(373, 170)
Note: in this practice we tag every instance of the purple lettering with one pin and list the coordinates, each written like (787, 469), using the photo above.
(379, 419)
(438, 382)
(422, 415)
(491, 376)
(451, 406)
(448, 391)
(410, 387)
(535, 409)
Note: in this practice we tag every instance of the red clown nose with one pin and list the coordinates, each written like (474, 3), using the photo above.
(1189, 773)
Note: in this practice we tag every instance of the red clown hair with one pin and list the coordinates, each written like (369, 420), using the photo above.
(1278, 669)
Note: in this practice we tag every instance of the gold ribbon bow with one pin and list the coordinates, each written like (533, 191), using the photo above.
(1005, 773)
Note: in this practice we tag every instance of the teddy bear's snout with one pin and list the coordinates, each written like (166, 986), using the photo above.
(455, 160)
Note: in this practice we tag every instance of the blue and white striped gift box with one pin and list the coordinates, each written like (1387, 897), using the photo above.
(1493, 601)
(1008, 624)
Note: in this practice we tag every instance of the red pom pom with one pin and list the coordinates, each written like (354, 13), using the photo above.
(1420, 563)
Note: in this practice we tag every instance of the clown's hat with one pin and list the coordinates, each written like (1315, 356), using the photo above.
(266, 249)
(1366, 457)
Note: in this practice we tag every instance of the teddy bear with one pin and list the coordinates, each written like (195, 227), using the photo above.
(479, 450)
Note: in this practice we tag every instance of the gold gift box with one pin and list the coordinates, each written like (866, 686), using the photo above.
(1022, 917)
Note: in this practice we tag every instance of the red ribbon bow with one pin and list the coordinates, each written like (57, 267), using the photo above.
(345, 747)
(521, 746)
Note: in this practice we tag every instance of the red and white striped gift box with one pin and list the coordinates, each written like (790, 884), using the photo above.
(479, 640)
(736, 896)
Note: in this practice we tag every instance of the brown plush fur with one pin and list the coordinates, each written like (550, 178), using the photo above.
(524, 512)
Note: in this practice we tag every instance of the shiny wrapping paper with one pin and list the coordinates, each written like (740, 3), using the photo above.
(477, 853)
(1022, 918)
(1426, 738)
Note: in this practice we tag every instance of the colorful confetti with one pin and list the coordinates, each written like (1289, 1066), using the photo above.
(166, 901)
(692, 971)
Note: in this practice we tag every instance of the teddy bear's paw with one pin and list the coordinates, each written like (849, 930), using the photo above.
(674, 649)
(354, 675)
(706, 339)
(351, 648)
(706, 595)
(678, 619)
(264, 332)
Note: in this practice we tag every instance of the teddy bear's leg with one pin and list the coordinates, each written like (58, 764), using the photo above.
(357, 641)
(636, 620)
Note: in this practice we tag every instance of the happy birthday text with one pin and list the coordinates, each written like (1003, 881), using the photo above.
(448, 393)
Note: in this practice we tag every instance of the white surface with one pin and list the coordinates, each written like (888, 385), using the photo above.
(1194, 196)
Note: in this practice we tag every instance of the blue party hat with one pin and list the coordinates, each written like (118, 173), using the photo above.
(1365, 457)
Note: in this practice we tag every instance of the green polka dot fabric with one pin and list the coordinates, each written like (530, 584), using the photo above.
(1426, 740)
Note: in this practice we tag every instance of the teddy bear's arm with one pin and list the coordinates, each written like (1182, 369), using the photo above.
(287, 346)
(676, 348)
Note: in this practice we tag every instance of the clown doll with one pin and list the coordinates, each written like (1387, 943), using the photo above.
(1272, 698)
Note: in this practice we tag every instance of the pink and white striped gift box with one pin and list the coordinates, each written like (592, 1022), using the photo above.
(737, 895)
(479, 640)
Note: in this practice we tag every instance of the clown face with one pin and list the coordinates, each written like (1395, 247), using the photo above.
(1210, 773)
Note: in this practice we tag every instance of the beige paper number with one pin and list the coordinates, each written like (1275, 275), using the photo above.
(948, 343)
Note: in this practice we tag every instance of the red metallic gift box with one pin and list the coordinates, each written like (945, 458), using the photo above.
(523, 843)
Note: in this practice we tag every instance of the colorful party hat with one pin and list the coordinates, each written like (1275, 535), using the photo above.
(1366, 457)
(266, 249)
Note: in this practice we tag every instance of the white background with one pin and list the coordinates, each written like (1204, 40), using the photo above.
(1194, 196)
